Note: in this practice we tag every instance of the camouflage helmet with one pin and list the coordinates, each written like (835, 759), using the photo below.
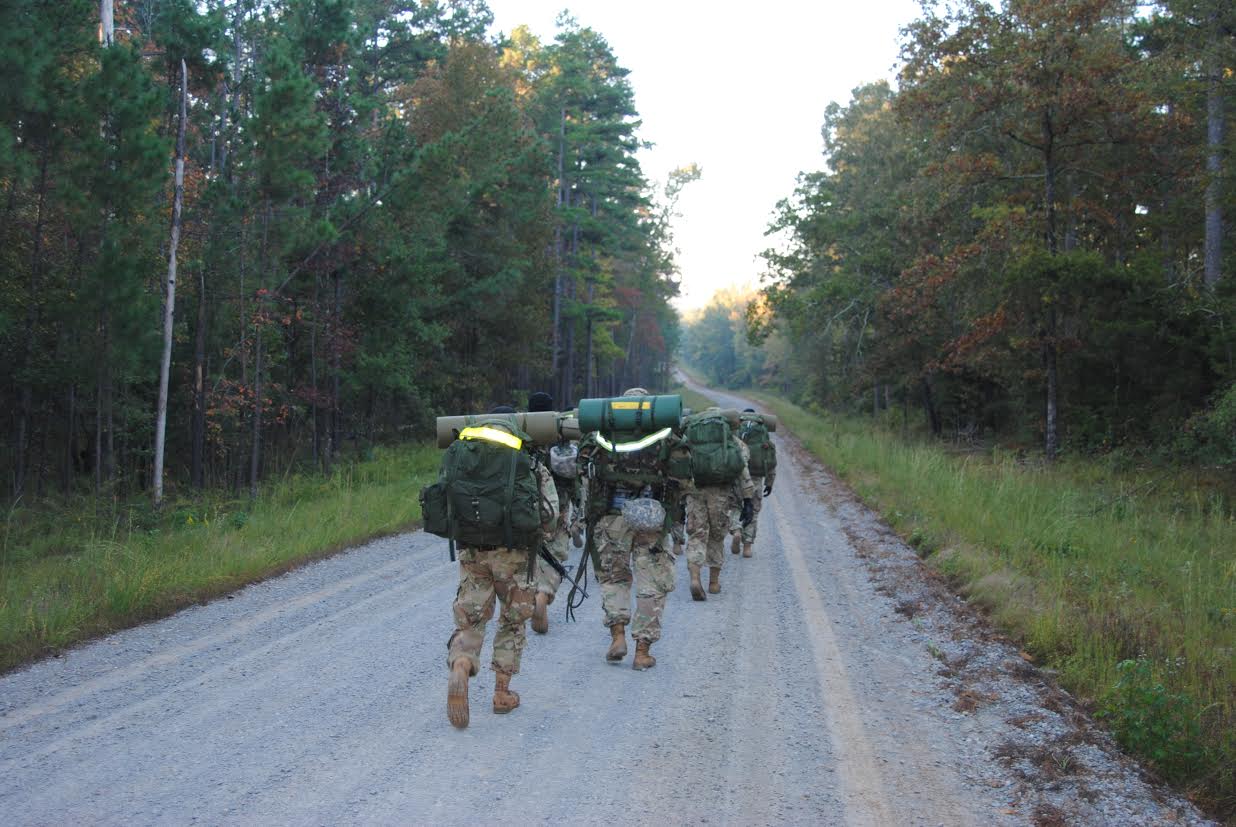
(635, 392)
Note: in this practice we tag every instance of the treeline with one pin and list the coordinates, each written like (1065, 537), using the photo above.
(387, 215)
(1028, 236)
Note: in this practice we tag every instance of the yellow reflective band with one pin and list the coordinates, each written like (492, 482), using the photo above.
(492, 435)
(630, 406)
(629, 447)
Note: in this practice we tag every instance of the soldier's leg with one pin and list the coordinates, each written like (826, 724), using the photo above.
(654, 579)
(718, 506)
(474, 605)
(697, 541)
(748, 532)
(510, 573)
(614, 551)
(547, 578)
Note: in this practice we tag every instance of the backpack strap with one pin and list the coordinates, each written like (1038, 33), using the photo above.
(507, 533)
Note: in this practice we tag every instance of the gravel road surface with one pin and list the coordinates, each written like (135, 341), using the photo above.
(807, 692)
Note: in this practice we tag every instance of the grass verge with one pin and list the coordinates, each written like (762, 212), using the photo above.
(68, 573)
(1125, 588)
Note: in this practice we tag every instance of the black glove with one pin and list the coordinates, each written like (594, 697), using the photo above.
(748, 512)
(767, 490)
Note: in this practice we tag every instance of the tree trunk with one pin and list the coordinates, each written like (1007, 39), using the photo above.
(198, 471)
(107, 26)
(1213, 263)
(1050, 437)
(332, 447)
(929, 407)
(169, 303)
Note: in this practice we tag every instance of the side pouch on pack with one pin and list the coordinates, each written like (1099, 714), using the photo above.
(434, 511)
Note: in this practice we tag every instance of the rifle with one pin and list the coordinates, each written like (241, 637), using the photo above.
(552, 562)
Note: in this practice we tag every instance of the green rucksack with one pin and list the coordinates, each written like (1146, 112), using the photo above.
(754, 433)
(715, 459)
(487, 493)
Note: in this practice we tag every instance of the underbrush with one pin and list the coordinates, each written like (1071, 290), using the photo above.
(83, 567)
(1124, 582)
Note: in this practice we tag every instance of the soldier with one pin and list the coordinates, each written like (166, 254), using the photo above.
(627, 553)
(763, 482)
(486, 573)
(560, 460)
(709, 514)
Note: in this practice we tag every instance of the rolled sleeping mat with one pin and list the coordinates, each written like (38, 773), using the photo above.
(630, 414)
(769, 420)
(545, 427)
(735, 417)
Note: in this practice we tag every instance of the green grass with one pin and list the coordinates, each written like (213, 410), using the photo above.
(1125, 583)
(68, 574)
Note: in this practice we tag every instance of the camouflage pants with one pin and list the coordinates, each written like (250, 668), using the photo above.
(748, 533)
(484, 576)
(709, 521)
(548, 580)
(626, 555)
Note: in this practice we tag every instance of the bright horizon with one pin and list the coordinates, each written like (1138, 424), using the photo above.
(741, 95)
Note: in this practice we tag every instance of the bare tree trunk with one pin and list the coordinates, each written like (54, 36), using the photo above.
(1213, 264)
(332, 448)
(929, 406)
(21, 449)
(1048, 332)
(313, 371)
(169, 303)
(107, 25)
(198, 470)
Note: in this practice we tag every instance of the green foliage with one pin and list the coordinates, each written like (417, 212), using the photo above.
(68, 572)
(1151, 721)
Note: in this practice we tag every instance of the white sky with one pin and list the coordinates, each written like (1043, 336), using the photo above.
(739, 89)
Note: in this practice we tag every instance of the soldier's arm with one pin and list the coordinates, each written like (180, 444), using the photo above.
(549, 498)
(746, 485)
(770, 476)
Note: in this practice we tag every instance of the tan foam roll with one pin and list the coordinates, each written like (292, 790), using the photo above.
(545, 427)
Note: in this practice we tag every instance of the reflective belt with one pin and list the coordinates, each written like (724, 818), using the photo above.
(484, 432)
(629, 447)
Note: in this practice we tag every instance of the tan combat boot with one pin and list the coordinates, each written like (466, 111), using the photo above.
(736, 544)
(746, 549)
(714, 580)
(504, 699)
(643, 658)
(540, 614)
(618, 646)
(457, 693)
(697, 588)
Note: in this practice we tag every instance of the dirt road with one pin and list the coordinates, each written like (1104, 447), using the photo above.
(804, 693)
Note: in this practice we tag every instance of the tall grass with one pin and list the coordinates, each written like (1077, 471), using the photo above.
(1125, 583)
(68, 573)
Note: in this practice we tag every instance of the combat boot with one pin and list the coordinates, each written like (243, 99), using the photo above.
(504, 699)
(697, 588)
(457, 693)
(735, 544)
(714, 580)
(643, 658)
(746, 549)
(540, 614)
(618, 646)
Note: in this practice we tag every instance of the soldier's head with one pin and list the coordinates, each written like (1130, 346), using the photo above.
(748, 410)
(635, 392)
(502, 409)
(540, 401)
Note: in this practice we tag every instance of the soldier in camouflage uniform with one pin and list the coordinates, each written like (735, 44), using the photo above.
(627, 556)
(547, 577)
(486, 574)
(763, 487)
(710, 518)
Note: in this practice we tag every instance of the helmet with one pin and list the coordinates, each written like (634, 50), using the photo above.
(540, 401)
(748, 410)
(502, 409)
(635, 392)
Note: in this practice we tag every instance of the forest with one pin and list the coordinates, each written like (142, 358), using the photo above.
(1026, 238)
(306, 227)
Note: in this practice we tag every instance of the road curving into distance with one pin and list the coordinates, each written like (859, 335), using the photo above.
(804, 693)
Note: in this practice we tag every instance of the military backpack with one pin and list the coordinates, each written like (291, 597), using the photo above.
(715, 459)
(754, 433)
(487, 493)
